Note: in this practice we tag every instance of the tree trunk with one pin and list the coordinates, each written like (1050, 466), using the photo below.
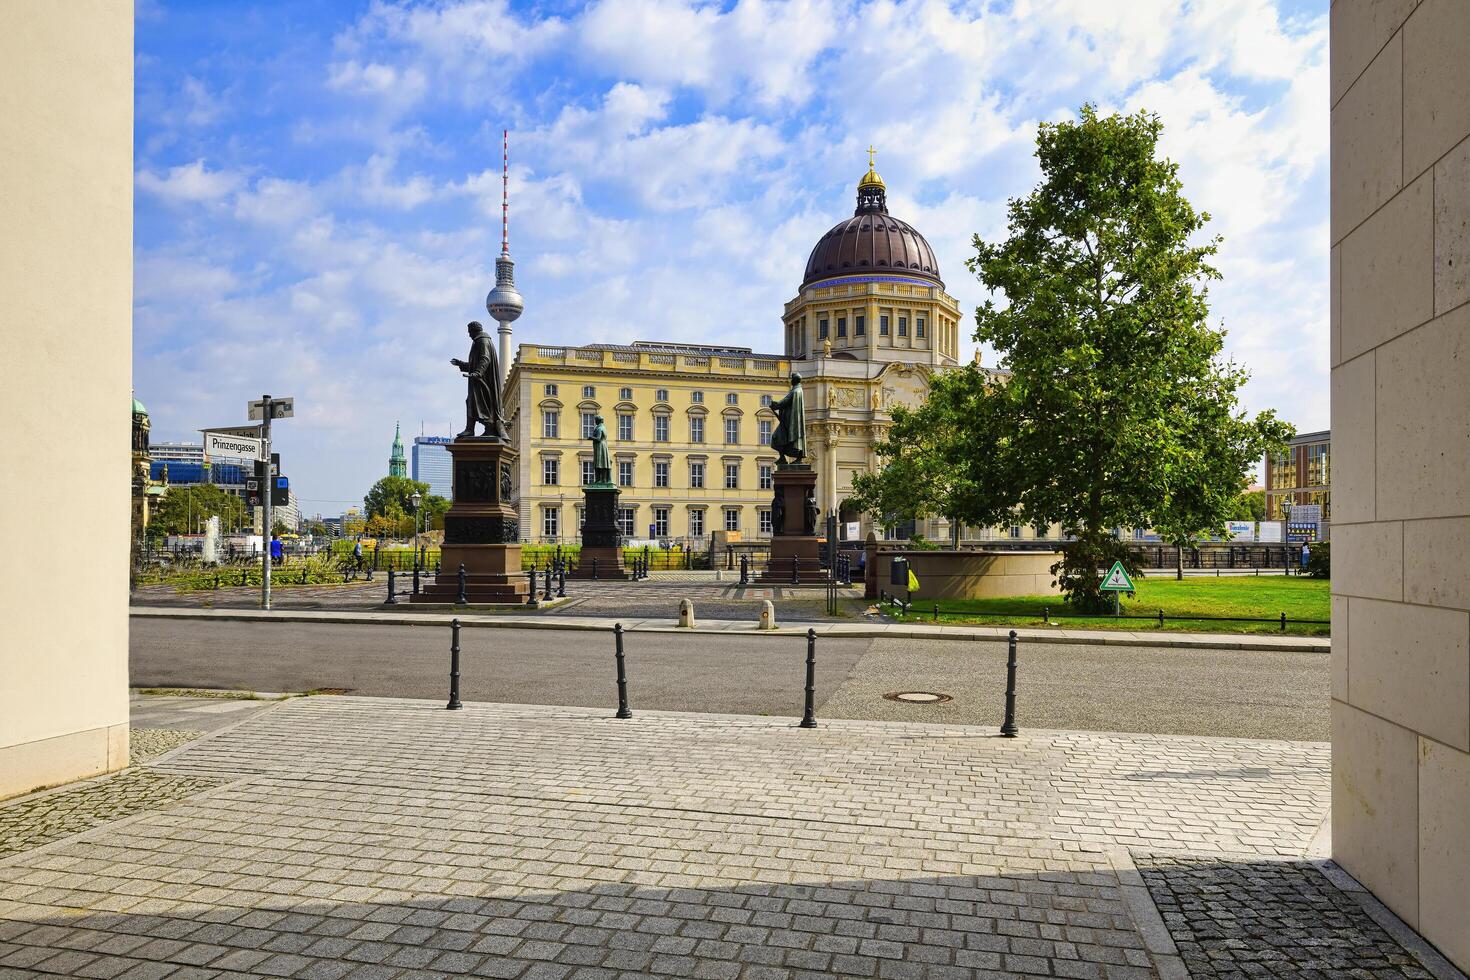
(1179, 563)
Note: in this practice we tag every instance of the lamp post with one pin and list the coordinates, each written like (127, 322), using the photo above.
(416, 499)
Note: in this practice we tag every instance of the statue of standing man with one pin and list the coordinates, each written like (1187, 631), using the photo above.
(789, 439)
(482, 404)
(601, 458)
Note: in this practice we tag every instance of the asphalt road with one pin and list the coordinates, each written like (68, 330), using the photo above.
(1061, 686)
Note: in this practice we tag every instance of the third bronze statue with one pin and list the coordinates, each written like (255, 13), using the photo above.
(789, 439)
(482, 404)
(601, 459)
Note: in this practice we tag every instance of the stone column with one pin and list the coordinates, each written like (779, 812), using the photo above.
(1400, 349)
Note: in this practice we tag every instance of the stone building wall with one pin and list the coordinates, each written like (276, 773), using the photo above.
(1400, 355)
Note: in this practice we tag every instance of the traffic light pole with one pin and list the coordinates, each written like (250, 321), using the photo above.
(265, 504)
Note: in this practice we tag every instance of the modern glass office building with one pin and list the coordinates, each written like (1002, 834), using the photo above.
(432, 465)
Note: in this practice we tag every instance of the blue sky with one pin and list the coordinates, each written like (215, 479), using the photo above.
(318, 184)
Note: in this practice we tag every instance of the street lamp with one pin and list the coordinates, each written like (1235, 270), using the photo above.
(416, 499)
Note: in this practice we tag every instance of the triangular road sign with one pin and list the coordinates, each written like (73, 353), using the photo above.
(1117, 579)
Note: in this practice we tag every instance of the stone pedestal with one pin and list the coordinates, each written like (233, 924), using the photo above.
(793, 541)
(601, 542)
(481, 529)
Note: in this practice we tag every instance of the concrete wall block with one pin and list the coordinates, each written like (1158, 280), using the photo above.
(1436, 43)
(1334, 306)
(1375, 806)
(1368, 560)
(1413, 667)
(1452, 227)
(1435, 555)
(1354, 448)
(1360, 29)
(1387, 286)
(1366, 142)
(1423, 421)
(1444, 858)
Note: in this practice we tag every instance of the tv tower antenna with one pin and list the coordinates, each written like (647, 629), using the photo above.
(504, 303)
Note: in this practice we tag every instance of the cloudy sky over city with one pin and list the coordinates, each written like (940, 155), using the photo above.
(318, 185)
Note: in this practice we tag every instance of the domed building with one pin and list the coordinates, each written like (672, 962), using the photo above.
(689, 425)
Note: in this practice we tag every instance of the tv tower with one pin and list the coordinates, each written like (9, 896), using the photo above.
(504, 304)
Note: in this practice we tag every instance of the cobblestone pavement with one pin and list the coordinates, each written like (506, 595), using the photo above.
(382, 838)
(149, 743)
(1269, 919)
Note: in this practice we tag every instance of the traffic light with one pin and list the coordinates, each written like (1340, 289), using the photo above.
(280, 491)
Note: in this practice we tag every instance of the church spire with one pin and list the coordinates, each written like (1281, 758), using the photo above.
(397, 464)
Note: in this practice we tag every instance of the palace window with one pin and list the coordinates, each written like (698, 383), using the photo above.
(661, 473)
(589, 391)
(625, 472)
(883, 325)
(550, 391)
(859, 326)
(842, 326)
(919, 327)
(661, 395)
(696, 476)
(1014, 530)
(550, 423)
(550, 521)
(660, 428)
(660, 522)
(696, 428)
(765, 426)
(732, 519)
(765, 518)
(768, 479)
(589, 472)
(626, 394)
(903, 326)
(696, 523)
(625, 428)
(732, 431)
(732, 399)
(821, 329)
(697, 397)
(589, 424)
(551, 471)
(732, 476)
(766, 401)
(625, 521)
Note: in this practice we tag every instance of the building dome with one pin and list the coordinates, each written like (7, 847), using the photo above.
(872, 241)
(138, 408)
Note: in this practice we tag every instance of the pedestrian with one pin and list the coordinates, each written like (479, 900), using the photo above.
(1306, 554)
(357, 555)
(278, 550)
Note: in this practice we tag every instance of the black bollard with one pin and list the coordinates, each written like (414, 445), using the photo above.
(1161, 619)
(1046, 614)
(1283, 622)
(809, 713)
(549, 593)
(244, 577)
(561, 582)
(623, 711)
(795, 570)
(216, 580)
(463, 596)
(594, 569)
(936, 612)
(531, 600)
(454, 704)
(392, 599)
(744, 570)
(1008, 728)
(415, 580)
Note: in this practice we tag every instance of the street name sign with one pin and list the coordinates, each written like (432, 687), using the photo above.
(1117, 579)
(223, 444)
(281, 408)
(250, 431)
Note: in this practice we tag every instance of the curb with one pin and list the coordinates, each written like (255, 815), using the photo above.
(837, 630)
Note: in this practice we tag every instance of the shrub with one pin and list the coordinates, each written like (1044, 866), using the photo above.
(1319, 561)
(1077, 574)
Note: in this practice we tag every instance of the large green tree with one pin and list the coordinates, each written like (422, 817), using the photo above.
(1121, 410)
(185, 508)
(389, 497)
(941, 458)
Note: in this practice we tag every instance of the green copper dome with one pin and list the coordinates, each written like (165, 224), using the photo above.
(138, 408)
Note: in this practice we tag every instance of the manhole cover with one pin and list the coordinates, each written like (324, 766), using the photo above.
(917, 697)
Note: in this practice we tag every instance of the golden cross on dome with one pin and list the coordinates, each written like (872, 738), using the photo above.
(871, 151)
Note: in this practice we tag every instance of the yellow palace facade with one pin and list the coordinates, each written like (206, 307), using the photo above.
(689, 425)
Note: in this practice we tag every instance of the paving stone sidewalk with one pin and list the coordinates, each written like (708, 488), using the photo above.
(380, 838)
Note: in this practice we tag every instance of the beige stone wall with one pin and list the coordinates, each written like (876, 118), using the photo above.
(1400, 91)
(972, 574)
(66, 98)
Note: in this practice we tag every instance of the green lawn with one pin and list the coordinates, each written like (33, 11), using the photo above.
(1266, 597)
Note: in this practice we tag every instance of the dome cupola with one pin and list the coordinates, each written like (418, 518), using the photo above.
(872, 241)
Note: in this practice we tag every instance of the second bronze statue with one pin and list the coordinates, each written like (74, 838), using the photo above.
(482, 404)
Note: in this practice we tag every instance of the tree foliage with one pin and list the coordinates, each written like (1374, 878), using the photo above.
(1249, 506)
(184, 509)
(389, 497)
(1119, 410)
(940, 459)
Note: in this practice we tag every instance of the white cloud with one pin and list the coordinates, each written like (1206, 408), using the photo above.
(189, 182)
